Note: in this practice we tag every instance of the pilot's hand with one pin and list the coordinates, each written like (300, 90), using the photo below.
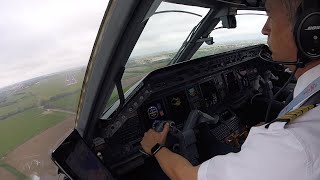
(151, 138)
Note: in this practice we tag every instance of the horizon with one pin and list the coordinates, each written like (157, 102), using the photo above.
(138, 56)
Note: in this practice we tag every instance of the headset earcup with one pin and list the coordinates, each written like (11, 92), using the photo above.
(307, 34)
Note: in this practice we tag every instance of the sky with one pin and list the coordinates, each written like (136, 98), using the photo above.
(39, 37)
(168, 31)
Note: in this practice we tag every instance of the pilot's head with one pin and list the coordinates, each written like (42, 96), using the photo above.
(282, 16)
(279, 28)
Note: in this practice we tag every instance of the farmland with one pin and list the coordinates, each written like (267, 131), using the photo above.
(24, 110)
(21, 127)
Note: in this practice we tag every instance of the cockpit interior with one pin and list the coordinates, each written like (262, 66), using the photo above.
(211, 101)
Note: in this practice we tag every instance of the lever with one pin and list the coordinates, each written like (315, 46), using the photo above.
(158, 126)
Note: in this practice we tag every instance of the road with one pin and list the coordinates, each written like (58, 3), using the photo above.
(62, 110)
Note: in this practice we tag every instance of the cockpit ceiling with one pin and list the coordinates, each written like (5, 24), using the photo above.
(241, 4)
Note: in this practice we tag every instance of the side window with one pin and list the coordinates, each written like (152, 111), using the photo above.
(45, 47)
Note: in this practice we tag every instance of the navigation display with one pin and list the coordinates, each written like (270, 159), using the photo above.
(85, 164)
(210, 94)
(179, 107)
(232, 83)
(77, 161)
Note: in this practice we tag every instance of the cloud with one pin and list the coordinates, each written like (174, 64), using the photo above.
(42, 37)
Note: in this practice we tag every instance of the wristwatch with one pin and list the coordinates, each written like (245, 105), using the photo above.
(156, 148)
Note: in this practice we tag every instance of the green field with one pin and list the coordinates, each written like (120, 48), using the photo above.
(21, 117)
(68, 103)
(144, 68)
(23, 126)
(48, 90)
(22, 103)
(55, 85)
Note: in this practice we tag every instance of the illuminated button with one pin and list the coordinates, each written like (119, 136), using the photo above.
(153, 112)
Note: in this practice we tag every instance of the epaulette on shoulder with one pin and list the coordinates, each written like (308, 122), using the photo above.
(292, 115)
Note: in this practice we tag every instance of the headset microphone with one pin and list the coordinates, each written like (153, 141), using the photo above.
(266, 55)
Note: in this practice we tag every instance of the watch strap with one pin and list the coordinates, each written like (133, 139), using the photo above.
(156, 148)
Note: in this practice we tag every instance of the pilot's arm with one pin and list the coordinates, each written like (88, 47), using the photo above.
(174, 165)
(273, 153)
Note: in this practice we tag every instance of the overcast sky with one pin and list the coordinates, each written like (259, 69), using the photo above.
(168, 31)
(39, 37)
(44, 36)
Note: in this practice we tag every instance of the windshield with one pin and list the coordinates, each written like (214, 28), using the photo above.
(45, 47)
(160, 40)
(247, 33)
(165, 33)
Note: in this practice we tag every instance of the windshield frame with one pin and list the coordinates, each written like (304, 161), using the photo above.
(205, 27)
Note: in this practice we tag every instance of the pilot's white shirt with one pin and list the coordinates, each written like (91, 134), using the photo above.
(277, 153)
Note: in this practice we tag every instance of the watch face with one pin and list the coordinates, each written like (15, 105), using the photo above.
(155, 148)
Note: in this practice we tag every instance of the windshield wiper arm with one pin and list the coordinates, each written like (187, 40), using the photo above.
(184, 44)
(177, 11)
(191, 44)
(200, 34)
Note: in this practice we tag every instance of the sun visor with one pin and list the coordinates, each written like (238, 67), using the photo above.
(213, 3)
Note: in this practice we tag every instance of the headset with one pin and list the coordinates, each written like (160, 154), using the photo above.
(307, 30)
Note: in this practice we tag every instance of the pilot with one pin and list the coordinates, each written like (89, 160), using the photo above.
(279, 152)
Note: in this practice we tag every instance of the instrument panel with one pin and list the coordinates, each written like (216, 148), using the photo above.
(204, 96)
(210, 84)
